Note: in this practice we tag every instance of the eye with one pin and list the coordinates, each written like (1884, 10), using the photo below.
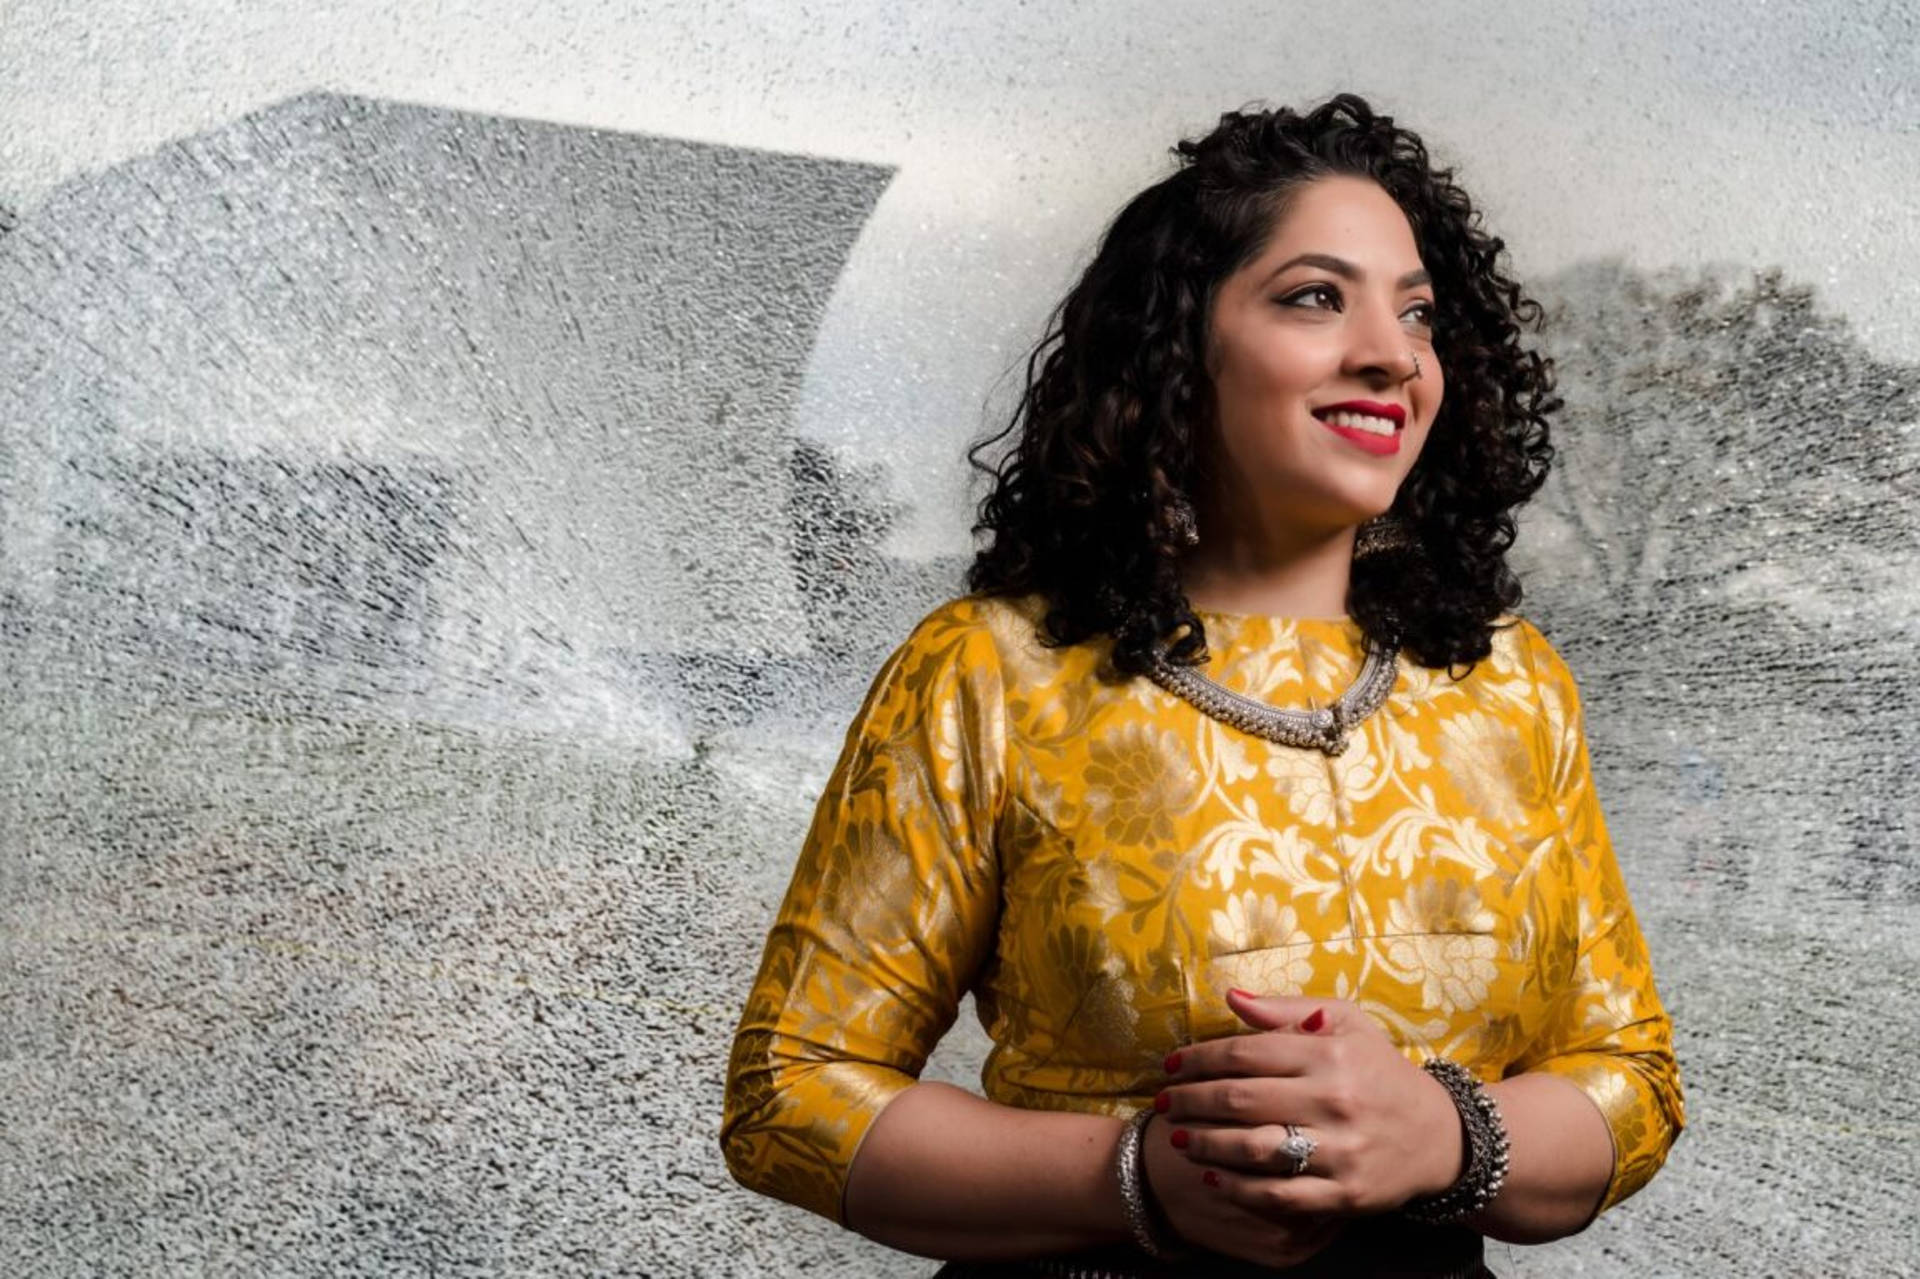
(1422, 313)
(1304, 297)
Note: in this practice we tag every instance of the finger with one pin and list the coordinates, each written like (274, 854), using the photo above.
(1270, 1243)
(1247, 1055)
(1261, 1149)
(1280, 1197)
(1239, 1099)
(1288, 1012)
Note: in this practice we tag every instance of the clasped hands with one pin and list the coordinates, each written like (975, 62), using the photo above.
(1383, 1130)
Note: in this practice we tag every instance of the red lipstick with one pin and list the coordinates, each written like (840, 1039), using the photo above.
(1372, 408)
(1367, 441)
(1378, 445)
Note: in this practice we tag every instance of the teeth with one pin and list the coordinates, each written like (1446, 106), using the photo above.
(1360, 422)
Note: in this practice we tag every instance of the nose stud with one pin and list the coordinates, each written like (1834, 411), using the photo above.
(1416, 362)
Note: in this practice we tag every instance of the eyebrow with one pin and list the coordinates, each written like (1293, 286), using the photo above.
(1344, 269)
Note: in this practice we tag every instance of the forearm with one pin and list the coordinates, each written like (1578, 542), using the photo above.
(1561, 1160)
(944, 1173)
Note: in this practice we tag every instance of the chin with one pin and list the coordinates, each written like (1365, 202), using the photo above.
(1359, 512)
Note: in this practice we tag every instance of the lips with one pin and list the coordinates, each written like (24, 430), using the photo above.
(1373, 427)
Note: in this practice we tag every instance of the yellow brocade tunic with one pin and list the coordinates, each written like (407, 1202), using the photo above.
(1099, 862)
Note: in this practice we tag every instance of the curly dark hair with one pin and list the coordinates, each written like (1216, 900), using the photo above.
(1111, 428)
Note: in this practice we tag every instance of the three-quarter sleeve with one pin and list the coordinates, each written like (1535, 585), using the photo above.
(891, 911)
(1606, 1030)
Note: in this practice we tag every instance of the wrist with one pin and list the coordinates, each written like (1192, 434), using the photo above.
(1169, 1234)
(1148, 1225)
(1484, 1136)
(1446, 1141)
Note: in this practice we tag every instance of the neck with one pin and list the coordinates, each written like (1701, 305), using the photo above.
(1303, 577)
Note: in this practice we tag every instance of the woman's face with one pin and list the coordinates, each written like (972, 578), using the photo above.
(1330, 313)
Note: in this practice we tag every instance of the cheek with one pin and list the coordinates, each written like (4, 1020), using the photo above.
(1295, 371)
(1263, 401)
(1431, 395)
(1270, 368)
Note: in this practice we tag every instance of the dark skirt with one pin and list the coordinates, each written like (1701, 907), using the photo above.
(1090, 1265)
(1379, 1248)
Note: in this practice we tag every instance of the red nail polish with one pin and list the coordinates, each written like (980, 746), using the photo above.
(1314, 1020)
(1211, 1177)
(1163, 1101)
(1244, 994)
(1179, 1138)
(1172, 1063)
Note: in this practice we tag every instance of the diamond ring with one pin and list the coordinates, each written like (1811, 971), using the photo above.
(1299, 1148)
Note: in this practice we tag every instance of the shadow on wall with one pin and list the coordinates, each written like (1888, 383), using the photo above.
(398, 512)
(517, 395)
(1731, 545)
(423, 639)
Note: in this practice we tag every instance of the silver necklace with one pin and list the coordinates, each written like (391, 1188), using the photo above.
(1324, 729)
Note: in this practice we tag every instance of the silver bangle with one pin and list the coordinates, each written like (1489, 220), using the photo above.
(1129, 1165)
(1485, 1135)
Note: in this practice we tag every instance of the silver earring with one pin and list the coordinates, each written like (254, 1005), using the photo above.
(1181, 522)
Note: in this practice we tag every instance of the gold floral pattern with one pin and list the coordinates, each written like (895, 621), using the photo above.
(1138, 777)
(1098, 863)
(1455, 970)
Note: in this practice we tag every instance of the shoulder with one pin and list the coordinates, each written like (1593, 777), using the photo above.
(966, 638)
(1524, 657)
(1000, 614)
(1002, 639)
(1004, 629)
(1522, 649)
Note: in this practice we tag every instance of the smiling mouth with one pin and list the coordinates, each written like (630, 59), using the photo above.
(1369, 432)
(1367, 422)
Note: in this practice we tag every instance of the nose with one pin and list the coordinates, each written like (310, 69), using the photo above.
(1380, 349)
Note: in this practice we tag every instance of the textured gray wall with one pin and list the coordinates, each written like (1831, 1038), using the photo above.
(439, 552)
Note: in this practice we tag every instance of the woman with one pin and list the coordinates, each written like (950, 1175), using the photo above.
(1234, 791)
